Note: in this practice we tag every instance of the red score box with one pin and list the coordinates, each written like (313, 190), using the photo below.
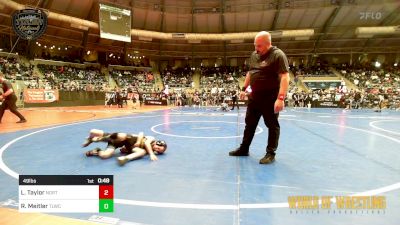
(106, 192)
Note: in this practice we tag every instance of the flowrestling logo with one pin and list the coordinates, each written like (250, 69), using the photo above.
(29, 24)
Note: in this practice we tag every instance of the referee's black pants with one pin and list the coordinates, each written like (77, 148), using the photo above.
(10, 103)
(235, 101)
(261, 104)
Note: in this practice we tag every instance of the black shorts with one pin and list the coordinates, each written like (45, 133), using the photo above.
(125, 150)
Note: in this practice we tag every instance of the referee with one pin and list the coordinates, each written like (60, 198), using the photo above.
(269, 81)
(9, 99)
(234, 95)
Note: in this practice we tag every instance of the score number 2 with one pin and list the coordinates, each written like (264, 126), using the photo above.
(106, 192)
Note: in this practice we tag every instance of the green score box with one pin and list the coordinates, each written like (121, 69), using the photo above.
(106, 205)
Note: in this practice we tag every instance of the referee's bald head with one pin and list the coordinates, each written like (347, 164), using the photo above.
(263, 35)
(262, 42)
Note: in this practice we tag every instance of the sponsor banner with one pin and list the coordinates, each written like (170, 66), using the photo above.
(40, 96)
(240, 103)
(326, 104)
(155, 102)
(132, 96)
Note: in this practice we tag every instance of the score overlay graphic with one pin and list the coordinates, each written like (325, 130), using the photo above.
(66, 193)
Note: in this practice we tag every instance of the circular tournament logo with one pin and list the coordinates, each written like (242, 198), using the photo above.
(29, 24)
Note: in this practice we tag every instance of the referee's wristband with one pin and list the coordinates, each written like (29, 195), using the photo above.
(281, 97)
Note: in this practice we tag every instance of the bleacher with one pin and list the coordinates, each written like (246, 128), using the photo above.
(181, 77)
(373, 84)
(222, 78)
(70, 78)
(371, 77)
(14, 69)
(318, 70)
(134, 79)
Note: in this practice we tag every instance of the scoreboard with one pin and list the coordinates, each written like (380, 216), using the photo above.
(115, 23)
(66, 193)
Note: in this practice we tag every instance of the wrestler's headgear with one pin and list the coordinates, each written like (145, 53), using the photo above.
(162, 143)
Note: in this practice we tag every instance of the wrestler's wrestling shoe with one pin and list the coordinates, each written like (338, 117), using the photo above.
(93, 152)
(122, 160)
(268, 158)
(87, 142)
(239, 152)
